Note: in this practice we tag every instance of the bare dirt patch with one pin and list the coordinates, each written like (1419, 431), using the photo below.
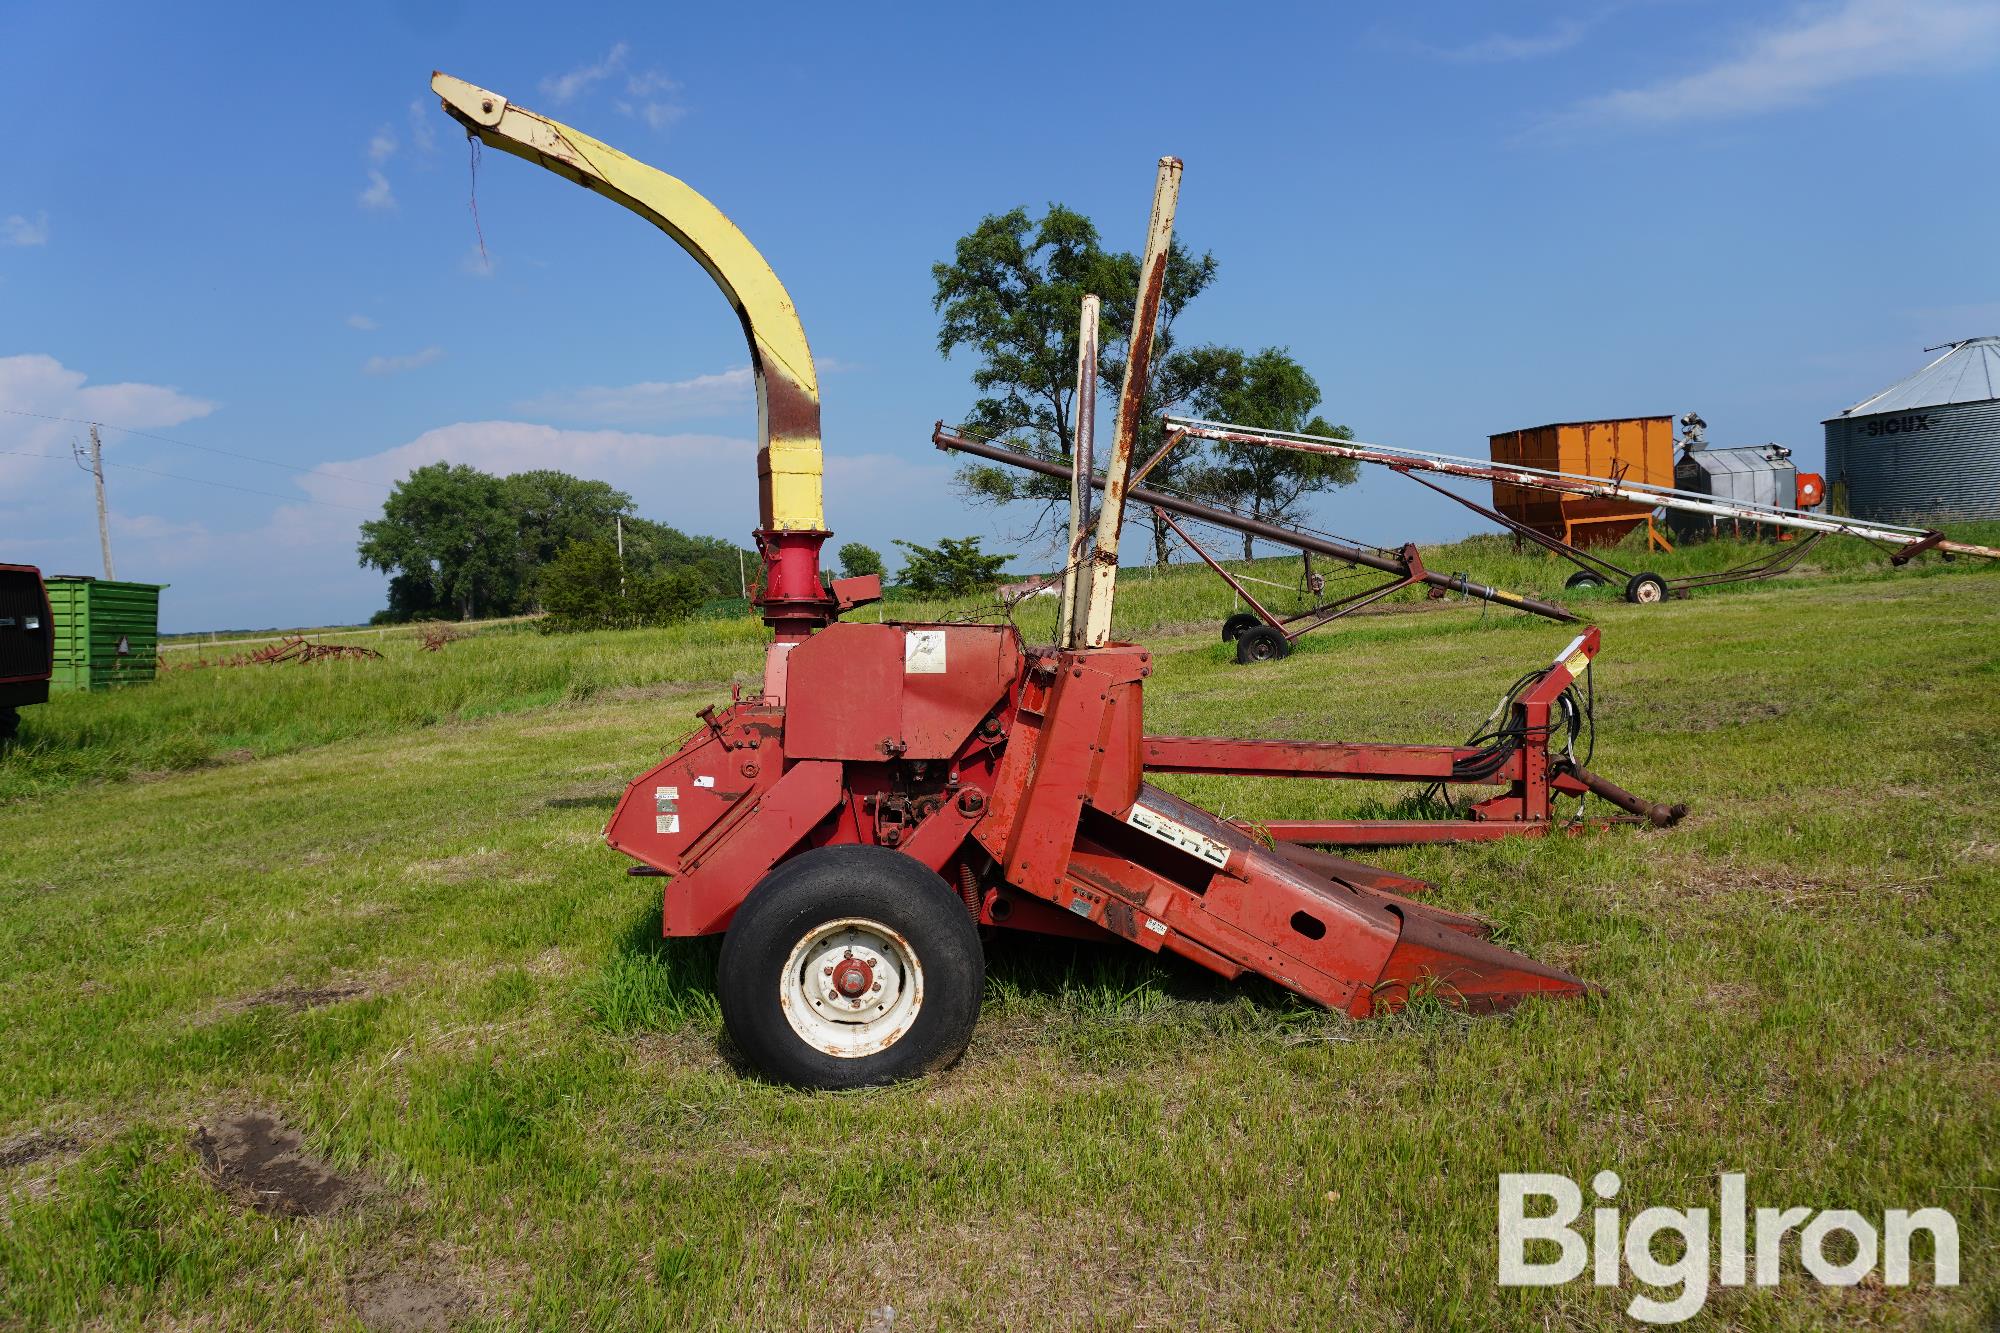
(303, 997)
(33, 1146)
(257, 1159)
(408, 1302)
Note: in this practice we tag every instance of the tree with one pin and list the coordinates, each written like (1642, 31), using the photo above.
(856, 560)
(953, 567)
(1012, 295)
(1272, 391)
(585, 587)
(456, 541)
(553, 511)
(717, 563)
(448, 534)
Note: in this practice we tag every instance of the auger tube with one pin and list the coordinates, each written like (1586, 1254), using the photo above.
(791, 515)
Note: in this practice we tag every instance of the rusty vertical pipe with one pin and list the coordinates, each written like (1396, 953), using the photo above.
(1083, 456)
(1131, 401)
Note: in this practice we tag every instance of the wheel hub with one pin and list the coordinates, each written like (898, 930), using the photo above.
(852, 977)
(851, 987)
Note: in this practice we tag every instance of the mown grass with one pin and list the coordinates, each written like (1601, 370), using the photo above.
(532, 1092)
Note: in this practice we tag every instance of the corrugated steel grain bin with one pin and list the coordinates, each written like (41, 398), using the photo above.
(1637, 449)
(1757, 474)
(1927, 448)
(106, 633)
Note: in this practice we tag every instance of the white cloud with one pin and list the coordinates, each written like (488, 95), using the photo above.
(565, 87)
(38, 383)
(378, 194)
(652, 100)
(648, 94)
(362, 323)
(1500, 47)
(17, 229)
(397, 365)
(650, 402)
(35, 451)
(661, 115)
(423, 126)
(382, 145)
(1821, 47)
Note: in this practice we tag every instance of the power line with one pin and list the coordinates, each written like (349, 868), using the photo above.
(203, 481)
(199, 481)
(205, 448)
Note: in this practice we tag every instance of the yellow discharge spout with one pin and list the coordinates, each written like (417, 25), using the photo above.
(788, 445)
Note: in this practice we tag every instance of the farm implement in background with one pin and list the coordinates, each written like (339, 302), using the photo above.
(894, 788)
(291, 648)
(1262, 634)
(1900, 543)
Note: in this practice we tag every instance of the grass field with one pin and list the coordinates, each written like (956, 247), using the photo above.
(348, 930)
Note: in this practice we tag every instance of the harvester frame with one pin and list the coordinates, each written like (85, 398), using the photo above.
(893, 788)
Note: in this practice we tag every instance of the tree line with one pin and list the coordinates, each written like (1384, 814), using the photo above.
(459, 543)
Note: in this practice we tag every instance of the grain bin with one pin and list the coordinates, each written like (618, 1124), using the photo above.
(1927, 448)
(1635, 449)
(107, 633)
(1757, 474)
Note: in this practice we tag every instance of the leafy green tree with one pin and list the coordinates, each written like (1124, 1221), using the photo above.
(585, 587)
(448, 534)
(1272, 391)
(953, 567)
(856, 560)
(456, 541)
(1011, 295)
(555, 510)
(717, 563)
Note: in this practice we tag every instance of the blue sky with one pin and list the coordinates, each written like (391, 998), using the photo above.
(250, 231)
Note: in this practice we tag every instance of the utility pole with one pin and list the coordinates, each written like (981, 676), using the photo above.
(742, 579)
(620, 518)
(103, 522)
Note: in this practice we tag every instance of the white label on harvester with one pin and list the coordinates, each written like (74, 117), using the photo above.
(666, 823)
(1157, 927)
(923, 652)
(1179, 835)
(666, 800)
(705, 780)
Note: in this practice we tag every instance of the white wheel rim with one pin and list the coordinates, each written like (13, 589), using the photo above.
(1649, 592)
(851, 987)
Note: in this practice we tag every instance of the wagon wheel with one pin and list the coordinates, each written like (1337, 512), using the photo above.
(851, 966)
(1584, 578)
(1262, 643)
(1646, 589)
(1236, 624)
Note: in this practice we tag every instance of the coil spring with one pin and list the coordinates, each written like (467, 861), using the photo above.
(968, 889)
